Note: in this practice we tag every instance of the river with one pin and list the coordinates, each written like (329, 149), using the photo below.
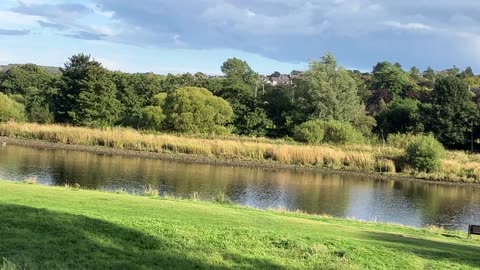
(410, 203)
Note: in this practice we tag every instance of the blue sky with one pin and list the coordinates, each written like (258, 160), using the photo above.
(198, 35)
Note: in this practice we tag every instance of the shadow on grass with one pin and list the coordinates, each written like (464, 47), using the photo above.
(42, 239)
(429, 249)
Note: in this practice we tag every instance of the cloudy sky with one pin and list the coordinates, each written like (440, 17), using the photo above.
(198, 35)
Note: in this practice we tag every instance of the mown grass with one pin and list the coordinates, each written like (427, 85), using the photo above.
(61, 228)
(457, 166)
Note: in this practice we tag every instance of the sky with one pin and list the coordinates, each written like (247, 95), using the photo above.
(166, 36)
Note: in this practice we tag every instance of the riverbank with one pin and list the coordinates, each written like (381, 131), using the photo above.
(98, 230)
(380, 161)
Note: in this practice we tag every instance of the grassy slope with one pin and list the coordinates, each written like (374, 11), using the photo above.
(59, 228)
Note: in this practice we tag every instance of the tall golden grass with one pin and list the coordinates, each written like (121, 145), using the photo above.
(458, 166)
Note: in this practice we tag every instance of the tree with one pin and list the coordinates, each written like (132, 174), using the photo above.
(401, 116)
(453, 113)
(415, 74)
(429, 74)
(331, 93)
(240, 88)
(280, 107)
(153, 116)
(197, 110)
(468, 72)
(19, 78)
(88, 95)
(10, 109)
(38, 105)
(389, 77)
(173, 82)
(36, 86)
(135, 92)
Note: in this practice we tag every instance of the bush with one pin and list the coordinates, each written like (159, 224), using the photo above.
(337, 132)
(424, 153)
(11, 110)
(309, 132)
(197, 110)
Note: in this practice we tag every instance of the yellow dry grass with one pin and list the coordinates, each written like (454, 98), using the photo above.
(458, 166)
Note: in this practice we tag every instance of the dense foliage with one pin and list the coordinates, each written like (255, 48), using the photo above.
(424, 153)
(331, 131)
(196, 110)
(325, 103)
(10, 109)
(309, 132)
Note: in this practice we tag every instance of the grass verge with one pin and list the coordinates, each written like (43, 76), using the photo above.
(457, 167)
(61, 228)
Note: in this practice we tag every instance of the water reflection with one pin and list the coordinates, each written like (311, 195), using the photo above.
(409, 203)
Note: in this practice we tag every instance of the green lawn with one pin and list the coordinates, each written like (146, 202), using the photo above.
(59, 228)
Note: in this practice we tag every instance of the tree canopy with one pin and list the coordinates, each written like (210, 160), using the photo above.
(387, 100)
(197, 110)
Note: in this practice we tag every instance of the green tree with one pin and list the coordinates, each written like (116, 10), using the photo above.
(18, 79)
(37, 88)
(331, 93)
(280, 107)
(429, 74)
(38, 105)
(152, 116)
(88, 95)
(11, 110)
(173, 82)
(389, 77)
(135, 92)
(400, 116)
(197, 110)
(415, 74)
(453, 113)
(240, 88)
(468, 72)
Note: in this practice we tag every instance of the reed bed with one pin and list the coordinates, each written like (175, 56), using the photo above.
(458, 166)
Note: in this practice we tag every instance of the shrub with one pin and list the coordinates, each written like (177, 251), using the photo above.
(337, 132)
(309, 132)
(424, 153)
(11, 110)
(332, 131)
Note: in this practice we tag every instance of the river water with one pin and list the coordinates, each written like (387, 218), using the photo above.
(405, 202)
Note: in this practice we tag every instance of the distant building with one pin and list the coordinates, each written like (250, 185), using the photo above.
(280, 80)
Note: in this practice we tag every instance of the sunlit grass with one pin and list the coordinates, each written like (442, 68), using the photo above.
(64, 228)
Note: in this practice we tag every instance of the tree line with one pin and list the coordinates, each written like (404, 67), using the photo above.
(325, 103)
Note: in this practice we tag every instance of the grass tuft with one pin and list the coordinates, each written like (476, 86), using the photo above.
(149, 190)
(31, 180)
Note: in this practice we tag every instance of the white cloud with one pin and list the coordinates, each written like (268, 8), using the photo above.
(409, 26)
(9, 19)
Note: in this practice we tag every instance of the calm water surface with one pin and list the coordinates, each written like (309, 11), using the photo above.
(409, 203)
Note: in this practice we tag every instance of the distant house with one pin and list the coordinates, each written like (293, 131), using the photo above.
(278, 79)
